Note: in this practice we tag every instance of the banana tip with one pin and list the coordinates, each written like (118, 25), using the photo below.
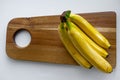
(109, 47)
(107, 56)
(90, 67)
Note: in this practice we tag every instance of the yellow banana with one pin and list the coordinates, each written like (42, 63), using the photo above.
(96, 47)
(86, 50)
(90, 30)
(71, 49)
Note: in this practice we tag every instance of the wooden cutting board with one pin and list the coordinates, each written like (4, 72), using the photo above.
(46, 46)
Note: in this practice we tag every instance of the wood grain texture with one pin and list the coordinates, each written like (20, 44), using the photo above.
(46, 46)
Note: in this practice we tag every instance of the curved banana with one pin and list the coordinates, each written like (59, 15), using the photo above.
(86, 50)
(96, 47)
(90, 30)
(71, 49)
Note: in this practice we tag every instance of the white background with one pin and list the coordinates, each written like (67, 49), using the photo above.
(25, 70)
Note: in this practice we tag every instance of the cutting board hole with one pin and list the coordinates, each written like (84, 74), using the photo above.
(22, 38)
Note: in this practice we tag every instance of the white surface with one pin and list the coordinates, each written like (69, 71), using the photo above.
(25, 70)
(22, 38)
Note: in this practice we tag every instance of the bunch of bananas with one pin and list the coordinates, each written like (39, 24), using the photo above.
(85, 44)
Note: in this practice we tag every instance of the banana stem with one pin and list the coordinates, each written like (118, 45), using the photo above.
(68, 24)
(64, 18)
(65, 15)
(62, 25)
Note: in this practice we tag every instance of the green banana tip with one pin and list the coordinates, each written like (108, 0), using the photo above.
(65, 15)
